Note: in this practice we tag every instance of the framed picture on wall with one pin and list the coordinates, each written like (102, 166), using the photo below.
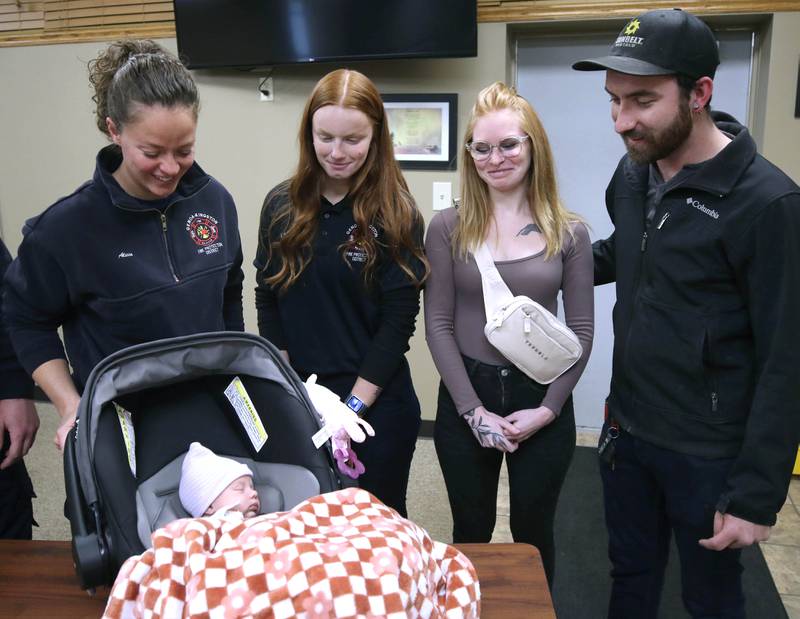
(423, 129)
(797, 96)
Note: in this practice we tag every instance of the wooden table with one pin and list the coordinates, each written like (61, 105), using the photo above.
(37, 580)
(513, 584)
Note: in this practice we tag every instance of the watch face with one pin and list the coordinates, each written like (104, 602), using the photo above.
(354, 403)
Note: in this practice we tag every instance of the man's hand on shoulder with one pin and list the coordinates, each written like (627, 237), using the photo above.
(18, 417)
(733, 532)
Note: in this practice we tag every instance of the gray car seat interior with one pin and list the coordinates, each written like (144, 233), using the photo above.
(280, 487)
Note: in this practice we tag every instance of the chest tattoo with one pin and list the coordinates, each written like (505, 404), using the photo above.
(528, 229)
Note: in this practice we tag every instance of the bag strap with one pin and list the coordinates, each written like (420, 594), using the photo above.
(495, 290)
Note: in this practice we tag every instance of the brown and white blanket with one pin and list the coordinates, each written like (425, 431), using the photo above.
(341, 554)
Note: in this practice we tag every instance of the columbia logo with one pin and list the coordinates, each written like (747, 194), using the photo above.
(125, 254)
(702, 208)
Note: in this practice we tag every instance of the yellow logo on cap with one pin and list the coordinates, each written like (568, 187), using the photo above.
(632, 27)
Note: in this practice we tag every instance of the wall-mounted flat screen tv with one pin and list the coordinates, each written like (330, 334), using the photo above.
(256, 33)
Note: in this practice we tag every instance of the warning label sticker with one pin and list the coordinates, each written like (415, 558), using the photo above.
(243, 405)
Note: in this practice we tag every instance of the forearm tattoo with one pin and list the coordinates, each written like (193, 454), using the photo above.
(528, 229)
(485, 434)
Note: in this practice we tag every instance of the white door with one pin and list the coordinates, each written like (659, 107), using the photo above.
(575, 111)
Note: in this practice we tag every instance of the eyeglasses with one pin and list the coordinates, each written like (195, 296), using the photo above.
(508, 147)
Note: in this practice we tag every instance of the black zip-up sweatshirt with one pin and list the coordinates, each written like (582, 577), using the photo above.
(707, 348)
(117, 271)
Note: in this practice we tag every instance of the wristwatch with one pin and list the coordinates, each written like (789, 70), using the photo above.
(356, 404)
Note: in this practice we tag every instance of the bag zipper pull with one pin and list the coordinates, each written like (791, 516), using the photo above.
(526, 325)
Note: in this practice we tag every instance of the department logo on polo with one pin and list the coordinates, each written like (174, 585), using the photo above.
(357, 253)
(202, 229)
(353, 227)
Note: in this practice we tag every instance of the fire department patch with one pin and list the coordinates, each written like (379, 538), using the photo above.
(202, 229)
(353, 227)
(357, 253)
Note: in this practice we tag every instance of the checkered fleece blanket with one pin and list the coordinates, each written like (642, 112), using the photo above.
(341, 554)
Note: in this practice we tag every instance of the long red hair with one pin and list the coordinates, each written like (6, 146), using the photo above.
(379, 192)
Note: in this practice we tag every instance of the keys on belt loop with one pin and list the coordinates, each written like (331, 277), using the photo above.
(608, 445)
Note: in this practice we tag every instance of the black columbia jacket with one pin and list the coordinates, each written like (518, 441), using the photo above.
(707, 343)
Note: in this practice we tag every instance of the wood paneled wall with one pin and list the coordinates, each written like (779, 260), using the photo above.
(62, 21)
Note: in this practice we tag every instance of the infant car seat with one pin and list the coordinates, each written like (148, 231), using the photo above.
(141, 409)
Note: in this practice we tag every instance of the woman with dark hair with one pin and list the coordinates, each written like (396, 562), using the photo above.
(148, 248)
(340, 266)
(488, 408)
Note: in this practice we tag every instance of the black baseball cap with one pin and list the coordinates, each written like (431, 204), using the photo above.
(663, 42)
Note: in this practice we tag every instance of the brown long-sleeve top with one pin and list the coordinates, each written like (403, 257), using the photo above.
(455, 315)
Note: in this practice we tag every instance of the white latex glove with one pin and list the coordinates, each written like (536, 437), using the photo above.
(335, 414)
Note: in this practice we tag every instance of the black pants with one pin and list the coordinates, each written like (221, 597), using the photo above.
(395, 416)
(650, 494)
(16, 492)
(536, 470)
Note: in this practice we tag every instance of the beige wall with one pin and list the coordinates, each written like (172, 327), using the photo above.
(48, 138)
(781, 130)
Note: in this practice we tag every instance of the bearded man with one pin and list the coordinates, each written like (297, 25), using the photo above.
(703, 416)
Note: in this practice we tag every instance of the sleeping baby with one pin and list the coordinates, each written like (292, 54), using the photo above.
(210, 483)
(341, 553)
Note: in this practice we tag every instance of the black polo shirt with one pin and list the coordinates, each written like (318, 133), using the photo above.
(329, 321)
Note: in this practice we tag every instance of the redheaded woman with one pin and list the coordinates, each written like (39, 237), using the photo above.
(340, 266)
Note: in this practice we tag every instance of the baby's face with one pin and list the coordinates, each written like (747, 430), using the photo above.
(240, 495)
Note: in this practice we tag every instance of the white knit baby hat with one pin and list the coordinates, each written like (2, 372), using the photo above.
(204, 475)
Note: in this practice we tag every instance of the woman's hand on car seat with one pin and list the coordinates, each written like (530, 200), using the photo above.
(67, 423)
(54, 378)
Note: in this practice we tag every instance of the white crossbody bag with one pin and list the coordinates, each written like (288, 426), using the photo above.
(523, 331)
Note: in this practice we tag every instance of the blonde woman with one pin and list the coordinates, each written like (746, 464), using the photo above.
(487, 408)
(340, 267)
